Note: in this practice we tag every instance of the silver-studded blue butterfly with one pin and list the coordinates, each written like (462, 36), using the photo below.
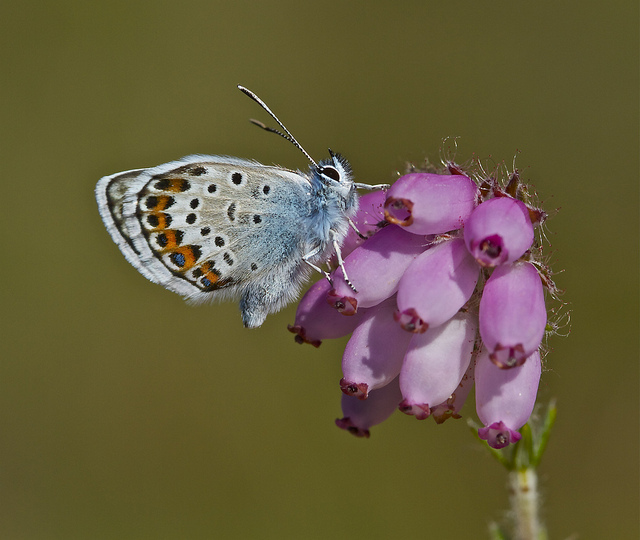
(218, 227)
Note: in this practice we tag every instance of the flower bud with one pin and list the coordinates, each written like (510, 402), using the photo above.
(505, 398)
(436, 285)
(368, 219)
(373, 356)
(375, 269)
(498, 231)
(430, 203)
(317, 320)
(513, 316)
(360, 415)
(451, 407)
(435, 363)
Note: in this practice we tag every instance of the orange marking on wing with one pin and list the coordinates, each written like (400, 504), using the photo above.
(172, 241)
(163, 220)
(176, 185)
(163, 201)
(211, 277)
(189, 256)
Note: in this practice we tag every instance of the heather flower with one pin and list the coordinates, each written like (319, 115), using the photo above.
(426, 203)
(373, 356)
(316, 320)
(436, 285)
(368, 220)
(451, 407)
(513, 316)
(450, 272)
(375, 269)
(435, 363)
(498, 231)
(505, 398)
(360, 415)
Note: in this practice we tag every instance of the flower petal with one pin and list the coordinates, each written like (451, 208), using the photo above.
(435, 363)
(505, 397)
(426, 203)
(360, 415)
(368, 220)
(317, 320)
(498, 231)
(451, 407)
(373, 356)
(436, 285)
(513, 316)
(375, 269)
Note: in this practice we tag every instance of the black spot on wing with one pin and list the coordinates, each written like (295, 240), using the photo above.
(231, 211)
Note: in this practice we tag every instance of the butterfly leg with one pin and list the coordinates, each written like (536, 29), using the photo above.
(312, 253)
(336, 247)
(367, 187)
(355, 228)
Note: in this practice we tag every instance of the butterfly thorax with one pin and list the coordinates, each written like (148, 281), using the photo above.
(331, 204)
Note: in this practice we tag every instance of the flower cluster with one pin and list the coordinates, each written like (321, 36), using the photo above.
(447, 292)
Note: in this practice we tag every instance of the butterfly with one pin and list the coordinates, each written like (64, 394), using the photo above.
(219, 227)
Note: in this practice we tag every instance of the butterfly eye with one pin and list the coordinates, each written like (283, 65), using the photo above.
(330, 172)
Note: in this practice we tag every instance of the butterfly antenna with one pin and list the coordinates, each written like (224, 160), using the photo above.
(261, 125)
(288, 135)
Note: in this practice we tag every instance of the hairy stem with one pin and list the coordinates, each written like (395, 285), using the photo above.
(523, 495)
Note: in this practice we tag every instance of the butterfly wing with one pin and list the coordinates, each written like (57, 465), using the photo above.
(208, 226)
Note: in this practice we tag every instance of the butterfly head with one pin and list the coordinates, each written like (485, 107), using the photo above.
(335, 174)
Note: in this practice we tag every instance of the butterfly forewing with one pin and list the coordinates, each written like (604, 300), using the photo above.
(212, 223)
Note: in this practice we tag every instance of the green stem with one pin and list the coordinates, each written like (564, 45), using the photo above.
(523, 495)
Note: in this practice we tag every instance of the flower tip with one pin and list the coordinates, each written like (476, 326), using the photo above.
(410, 321)
(536, 215)
(442, 413)
(490, 251)
(347, 305)
(301, 338)
(419, 410)
(353, 389)
(498, 435)
(346, 424)
(398, 211)
(508, 357)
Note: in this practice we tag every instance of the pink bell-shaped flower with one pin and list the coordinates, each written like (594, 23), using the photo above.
(435, 363)
(375, 269)
(513, 315)
(451, 407)
(360, 415)
(498, 231)
(373, 356)
(317, 320)
(425, 203)
(505, 398)
(368, 219)
(436, 285)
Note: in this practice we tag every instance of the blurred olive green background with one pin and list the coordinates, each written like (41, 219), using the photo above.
(125, 413)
